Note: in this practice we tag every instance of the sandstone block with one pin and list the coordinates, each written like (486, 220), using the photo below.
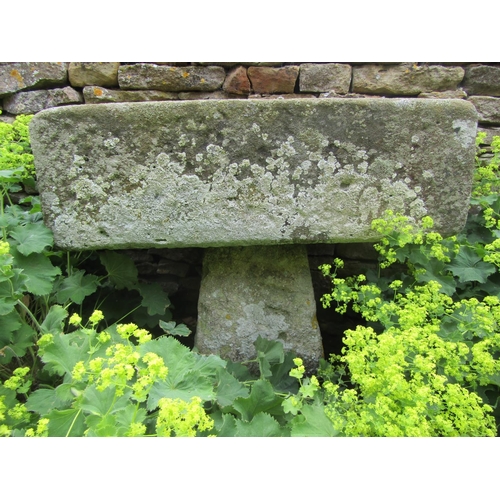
(325, 78)
(237, 82)
(250, 172)
(252, 291)
(198, 96)
(82, 74)
(281, 96)
(170, 78)
(482, 80)
(273, 80)
(447, 94)
(33, 101)
(96, 95)
(488, 109)
(405, 79)
(29, 75)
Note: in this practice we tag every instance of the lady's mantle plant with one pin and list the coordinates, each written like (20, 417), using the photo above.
(426, 363)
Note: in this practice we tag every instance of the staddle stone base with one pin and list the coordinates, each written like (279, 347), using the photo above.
(258, 290)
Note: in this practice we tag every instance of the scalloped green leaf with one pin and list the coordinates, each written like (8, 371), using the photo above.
(120, 268)
(312, 422)
(39, 270)
(153, 297)
(32, 238)
(468, 266)
(76, 287)
(262, 399)
(262, 425)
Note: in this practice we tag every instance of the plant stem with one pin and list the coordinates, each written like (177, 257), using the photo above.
(30, 314)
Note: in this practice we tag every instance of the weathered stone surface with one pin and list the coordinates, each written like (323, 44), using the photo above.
(273, 80)
(405, 79)
(35, 100)
(96, 95)
(197, 96)
(250, 172)
(482, 80)
(281, 96)
(237, 82)
(29, 75)
(6, 119)
(325, 77)
(251, 291)
(447, 94)
(82, 74)
(170, 78)
(488, 109)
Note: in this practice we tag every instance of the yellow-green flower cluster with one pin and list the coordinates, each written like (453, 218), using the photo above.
(181, 418)
(130, 329)
(42, 429)
(17, 379)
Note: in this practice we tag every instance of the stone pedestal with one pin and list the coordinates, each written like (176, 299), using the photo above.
(257, 290)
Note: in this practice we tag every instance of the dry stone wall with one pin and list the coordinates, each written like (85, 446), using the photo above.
(27, 88)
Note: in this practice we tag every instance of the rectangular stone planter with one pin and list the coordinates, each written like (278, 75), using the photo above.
(238, 172)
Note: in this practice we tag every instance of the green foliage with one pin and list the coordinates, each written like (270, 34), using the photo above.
(426, 362)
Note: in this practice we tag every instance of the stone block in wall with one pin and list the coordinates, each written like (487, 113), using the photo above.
(190, 255)
(6, 119)
(356, 251)
(33, 101)
(281, 96)
(273, 80)
(237, 82)
(405, 79)
(490, 133)
(82, 74)
(325, 77)
(207, 96)
(173, 267)
(232, 64)
(482, 80)
(323, 249)
(170, 78)
(488, 109)
(447, 94)
(29, 75)
(96, 95)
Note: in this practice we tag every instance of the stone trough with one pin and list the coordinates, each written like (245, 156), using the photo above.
(253, 182)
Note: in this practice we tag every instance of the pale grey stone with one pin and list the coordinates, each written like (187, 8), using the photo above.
(33, 101)
(170, 78)
(405, 79)
(7, 119)
(488, 109)
(96, 95)
(83, 74)
(482, 80)
(281, 96)
(250, 172)
(325, 78)
(447, 94)
(28, 75)
(217, 95)
(250, 291)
